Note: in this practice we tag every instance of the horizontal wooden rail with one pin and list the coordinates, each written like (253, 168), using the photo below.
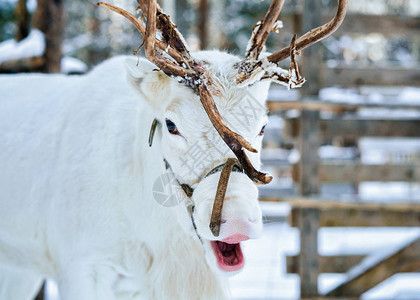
(357, 127)
(327, 264)
(275, 106)
(348, 172)
(354, 214)
(357, 172)
(376, 75)
(369, 127)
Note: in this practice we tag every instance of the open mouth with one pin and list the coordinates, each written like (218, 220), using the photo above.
(229, 256)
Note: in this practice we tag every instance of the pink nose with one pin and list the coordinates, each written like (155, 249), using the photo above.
(236, 238)
(237, 230)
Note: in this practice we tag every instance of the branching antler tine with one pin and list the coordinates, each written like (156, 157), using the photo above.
(141, 28)
(149, 47)
(260, 35)
(172, 36)
(294, 66)
(314, 35)
(232, 139)
(169, 31)
(164, 64)
(253, 174)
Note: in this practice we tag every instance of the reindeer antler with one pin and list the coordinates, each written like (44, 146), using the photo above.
(315, 35)
(263, 29)
(268, 66)
(187, 71)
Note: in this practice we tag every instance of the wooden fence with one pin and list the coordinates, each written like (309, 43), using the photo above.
(312, 128)
(309, 213)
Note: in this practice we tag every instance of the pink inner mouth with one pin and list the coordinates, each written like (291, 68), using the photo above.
(229, 256)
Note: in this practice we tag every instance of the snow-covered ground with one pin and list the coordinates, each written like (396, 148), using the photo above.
(265, 277)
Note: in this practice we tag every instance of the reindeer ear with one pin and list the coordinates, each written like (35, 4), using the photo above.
(149, 81)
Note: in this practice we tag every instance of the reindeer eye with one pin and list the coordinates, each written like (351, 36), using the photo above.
(262, 130)
(171, 127)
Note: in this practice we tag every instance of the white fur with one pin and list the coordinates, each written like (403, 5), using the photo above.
(76, 202)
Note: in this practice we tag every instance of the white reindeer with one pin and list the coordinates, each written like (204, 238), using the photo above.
(77, 202)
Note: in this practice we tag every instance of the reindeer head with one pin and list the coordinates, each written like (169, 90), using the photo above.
(178, 84)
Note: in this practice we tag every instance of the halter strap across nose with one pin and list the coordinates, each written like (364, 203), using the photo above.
(231, 165)
(216, 215)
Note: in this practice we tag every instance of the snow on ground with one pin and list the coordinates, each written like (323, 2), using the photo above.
(31, 46)
(71, 65)
(264, 276)
(388, 113)
(335, 94)
(389, 150)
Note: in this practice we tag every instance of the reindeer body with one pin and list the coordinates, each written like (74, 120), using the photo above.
(76, 170)
(76, 203)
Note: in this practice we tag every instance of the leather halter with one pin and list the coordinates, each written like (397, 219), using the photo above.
(188, 190)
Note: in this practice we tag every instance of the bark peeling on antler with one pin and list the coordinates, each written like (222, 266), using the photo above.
(168, 30)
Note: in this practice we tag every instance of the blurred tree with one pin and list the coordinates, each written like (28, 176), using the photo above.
(48, 18)
(22, 19)
(203, 23)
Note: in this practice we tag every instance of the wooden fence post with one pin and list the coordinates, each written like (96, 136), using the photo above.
(308, 261)
(308, 219)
